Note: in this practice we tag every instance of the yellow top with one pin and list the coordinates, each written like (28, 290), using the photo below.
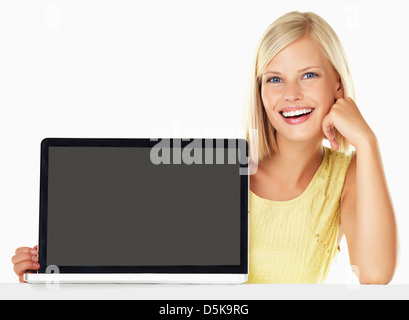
(295, 241)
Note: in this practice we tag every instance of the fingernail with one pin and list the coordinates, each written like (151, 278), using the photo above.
(36, 265)
(34, 258)
(34, 252)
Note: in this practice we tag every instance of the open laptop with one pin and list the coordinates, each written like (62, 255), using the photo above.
(143, 211)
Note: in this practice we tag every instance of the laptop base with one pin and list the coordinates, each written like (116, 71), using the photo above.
(136, 278)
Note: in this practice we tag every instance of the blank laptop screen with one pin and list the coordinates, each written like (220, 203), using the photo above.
(111, 206)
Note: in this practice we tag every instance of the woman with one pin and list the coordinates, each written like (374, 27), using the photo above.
(304, 197)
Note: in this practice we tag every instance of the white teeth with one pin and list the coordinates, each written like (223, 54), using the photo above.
(296, 112)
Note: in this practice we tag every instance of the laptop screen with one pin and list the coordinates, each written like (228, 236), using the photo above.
(134, 206)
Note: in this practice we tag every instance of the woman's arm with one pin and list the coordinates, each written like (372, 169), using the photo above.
(367, 215)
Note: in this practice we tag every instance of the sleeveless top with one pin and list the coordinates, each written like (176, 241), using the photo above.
(295, 241)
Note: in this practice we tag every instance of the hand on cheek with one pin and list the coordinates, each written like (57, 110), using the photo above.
(344, 117)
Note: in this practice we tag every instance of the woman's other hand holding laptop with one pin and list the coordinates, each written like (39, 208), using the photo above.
(25, 261)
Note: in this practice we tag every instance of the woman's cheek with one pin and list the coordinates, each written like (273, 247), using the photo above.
(323, 97)
(270, 97)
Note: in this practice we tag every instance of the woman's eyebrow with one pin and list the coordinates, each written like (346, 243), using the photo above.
(301, 70)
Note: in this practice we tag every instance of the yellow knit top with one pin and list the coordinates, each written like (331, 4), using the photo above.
(295, 241)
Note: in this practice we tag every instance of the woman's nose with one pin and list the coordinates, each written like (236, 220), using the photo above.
(293, 92)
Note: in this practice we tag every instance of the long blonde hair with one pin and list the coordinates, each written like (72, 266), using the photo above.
(288, 28)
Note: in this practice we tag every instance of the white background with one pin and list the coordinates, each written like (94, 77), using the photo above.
(142, 69)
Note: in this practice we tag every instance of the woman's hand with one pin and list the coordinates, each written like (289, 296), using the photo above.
(25, 261)
(344, 115)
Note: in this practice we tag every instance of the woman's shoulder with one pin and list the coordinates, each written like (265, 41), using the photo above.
(349, 161)
(338, 162)
(338, 169)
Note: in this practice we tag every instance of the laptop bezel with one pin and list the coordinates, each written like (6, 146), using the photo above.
(242, 268)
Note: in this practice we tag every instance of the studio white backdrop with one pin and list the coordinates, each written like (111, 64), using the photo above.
(142, 69)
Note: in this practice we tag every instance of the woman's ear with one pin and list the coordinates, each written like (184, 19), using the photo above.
(339, 93)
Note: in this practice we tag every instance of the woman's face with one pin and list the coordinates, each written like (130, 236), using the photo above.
(299, 87)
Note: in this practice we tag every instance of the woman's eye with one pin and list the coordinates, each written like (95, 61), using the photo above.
(274, 80)
(310, 75)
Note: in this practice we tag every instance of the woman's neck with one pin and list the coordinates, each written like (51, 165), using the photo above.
(295, 161)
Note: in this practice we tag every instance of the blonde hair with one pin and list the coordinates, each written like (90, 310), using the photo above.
(288, 28)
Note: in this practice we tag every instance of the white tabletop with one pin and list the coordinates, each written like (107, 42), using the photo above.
(201, 292)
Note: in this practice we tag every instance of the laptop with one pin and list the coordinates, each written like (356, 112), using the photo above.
(143, 211)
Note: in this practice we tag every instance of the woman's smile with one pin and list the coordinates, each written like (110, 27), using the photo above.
(296, 114)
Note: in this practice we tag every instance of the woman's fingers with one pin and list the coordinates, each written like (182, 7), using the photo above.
(333, 142)
(24, 257)
(26, 250)
(329, 131)
(25, 261)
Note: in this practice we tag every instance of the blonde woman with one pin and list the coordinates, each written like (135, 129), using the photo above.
(304, 196)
